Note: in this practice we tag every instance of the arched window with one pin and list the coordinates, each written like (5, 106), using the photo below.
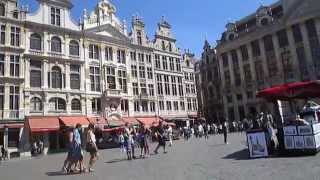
(57, 104)
(35, 42)
(74, 48)
(56, 77)
(2, 10)
(75, 105)
(56, 44)
(139, 37)
(35, 104)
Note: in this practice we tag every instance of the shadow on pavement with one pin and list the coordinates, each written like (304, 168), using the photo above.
(59, 173)
(239, 155)
(116, 161)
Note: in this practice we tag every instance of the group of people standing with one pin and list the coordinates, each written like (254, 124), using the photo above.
(131, 138)
(74, 161)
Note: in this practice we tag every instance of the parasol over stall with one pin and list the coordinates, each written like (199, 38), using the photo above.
(296, 90)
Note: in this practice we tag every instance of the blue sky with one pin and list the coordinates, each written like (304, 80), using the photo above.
(192, 20)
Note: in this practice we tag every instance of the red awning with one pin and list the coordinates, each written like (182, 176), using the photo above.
(296, 90)
(149, 121)
(72, 121)
(43, 124)
(130, 120)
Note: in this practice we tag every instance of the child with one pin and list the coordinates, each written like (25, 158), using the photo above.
(121, 141)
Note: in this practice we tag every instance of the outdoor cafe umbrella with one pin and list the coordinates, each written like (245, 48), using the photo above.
(296, 90)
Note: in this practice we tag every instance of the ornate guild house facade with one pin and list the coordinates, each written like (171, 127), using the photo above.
(275, 45)
(51, 66)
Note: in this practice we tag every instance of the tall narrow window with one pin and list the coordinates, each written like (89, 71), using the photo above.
(56, 77)
(35, 42)
(176, 105)
(170, 47)
(136, 106)
(96, 105)
(225, 60)
(157, 61)
(108, 53)
(163, 45)
(15, 36)
(14, 98)
(166, 84)
(133, 56)
(169, 107)
(35, 104)
(151, 89)
(180, 85)
(135, 89)
(149, 72)
(74, 48)
(282, 38)
(182, 106)
(56, 44)
(255, 48)
(2, 10)
(148, 57)
(141, 57)
(178, 65)
(164, 63)
(139, 37)
(2, 62)
(134, 71)
(159, 84)
(174, 86)
(55, 16)
(143, 89)
(35, 74)
(268, 43)
(297, 35)
(244, 52)
(111, 77)
(142, 72)
(161, 105)
(14, 66)
(1, 98)
(95, 78)
(94, 52)
(152, 106)
(2, 34)
(121, 56)
(122, 77)
(75, 76)
(171, 62)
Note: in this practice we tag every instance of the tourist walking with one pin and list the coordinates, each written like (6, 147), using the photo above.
(129, 141)
(225, 132)
(77, 153)
(170, 134)
(69, 160)
(206, 131)
(160, 134)
(91, 147)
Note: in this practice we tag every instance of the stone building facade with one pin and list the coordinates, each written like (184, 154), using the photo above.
(51, 65)
(275, 45)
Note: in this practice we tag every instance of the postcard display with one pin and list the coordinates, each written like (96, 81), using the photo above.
(257, 144)
(302, 137)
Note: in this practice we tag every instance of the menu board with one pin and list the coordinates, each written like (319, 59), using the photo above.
(290, 131)
(257, 145)
(305, 130)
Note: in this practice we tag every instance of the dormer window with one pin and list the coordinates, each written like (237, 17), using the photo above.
(264, 21)
(2, 10)
(55, 16)
(139, 37)
(170, 47)
(163, 46)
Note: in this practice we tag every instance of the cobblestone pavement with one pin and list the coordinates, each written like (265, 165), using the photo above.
(197, 159)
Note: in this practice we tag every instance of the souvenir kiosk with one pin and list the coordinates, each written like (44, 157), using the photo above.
(301, 127)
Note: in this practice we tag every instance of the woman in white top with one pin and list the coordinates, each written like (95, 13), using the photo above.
(91, 146)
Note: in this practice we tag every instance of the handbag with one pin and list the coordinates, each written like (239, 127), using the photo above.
(91, 147)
